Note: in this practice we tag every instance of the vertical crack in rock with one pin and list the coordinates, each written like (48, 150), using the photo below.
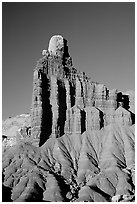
(46, 125)
(62, 107)
(83, 121)
(72, 94)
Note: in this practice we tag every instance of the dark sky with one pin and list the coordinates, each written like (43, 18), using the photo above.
(100, 39)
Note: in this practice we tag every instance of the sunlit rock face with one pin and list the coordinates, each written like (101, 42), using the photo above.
(15, 128)
(56, 45)
(78, 143)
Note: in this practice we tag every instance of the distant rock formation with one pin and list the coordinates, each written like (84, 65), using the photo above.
(15, 128)
(11, 125)
(78, 143)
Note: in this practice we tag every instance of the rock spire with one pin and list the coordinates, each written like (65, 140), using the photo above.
(64, 98)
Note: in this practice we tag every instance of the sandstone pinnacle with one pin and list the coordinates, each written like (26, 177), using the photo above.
(78, 143)
(57, 45)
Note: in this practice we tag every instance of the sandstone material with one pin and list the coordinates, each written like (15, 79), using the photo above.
(11, 125)
(93, 118)
(80, 143)
(123, 117)
(90, 165)
(56, 45)
(58, 87)
(131, 96)
(116, 198)
(45, 53)
(15, 128)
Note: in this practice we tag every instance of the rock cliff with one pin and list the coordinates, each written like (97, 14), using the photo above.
(78, 143)
(65, 100)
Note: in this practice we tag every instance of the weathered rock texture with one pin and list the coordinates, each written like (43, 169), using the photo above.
(12, 124)
(81, 146)
(15, 128)
(94, 166)
(65, 100)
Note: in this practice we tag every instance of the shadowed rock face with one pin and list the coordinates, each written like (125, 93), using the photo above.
(80, 146)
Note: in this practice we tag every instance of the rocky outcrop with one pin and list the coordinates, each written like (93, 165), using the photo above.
(94, 118)
(12, 124)
(15, 128)
(131, 100)
(62, 98)
(77, 145)
(56, 45)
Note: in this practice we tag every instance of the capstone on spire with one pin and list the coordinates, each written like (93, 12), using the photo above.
(58, 46)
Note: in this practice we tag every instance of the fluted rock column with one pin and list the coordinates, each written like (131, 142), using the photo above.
(90, 99)
(111, 105)
(112, 99)
(60, 94)
(100, 96)
(94, 118)
(79, 98)
(67, 87)
(68, 129)
(82, 78)
(109, 117)
(132, 102)
(54, 104)
(36, 109)
(123, 117)
(131, 98)
(77, 120)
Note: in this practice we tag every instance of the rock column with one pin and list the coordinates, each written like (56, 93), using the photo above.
(100, 96)
(77, 120)
(79, 98)
(36, 109)
(54, 104)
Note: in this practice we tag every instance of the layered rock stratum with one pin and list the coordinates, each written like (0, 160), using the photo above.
(78, 143)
